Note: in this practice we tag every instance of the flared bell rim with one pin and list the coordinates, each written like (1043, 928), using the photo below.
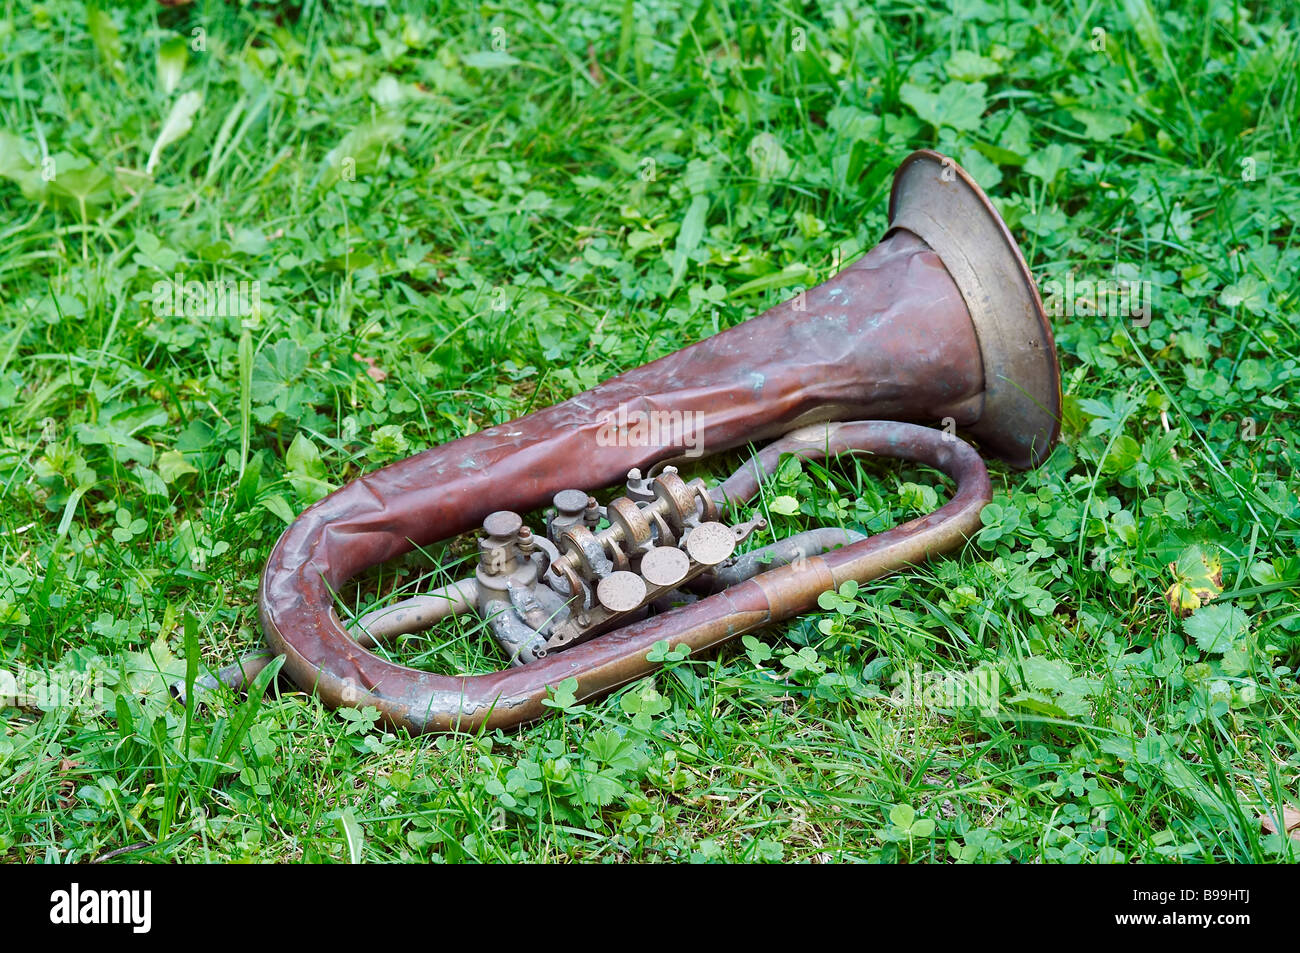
(937, 200)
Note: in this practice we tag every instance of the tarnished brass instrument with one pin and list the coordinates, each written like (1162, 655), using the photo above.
(940, 322)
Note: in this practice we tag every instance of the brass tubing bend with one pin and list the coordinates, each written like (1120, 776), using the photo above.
(345, 534)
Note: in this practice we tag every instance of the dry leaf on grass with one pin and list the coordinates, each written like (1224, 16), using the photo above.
(1290, 819)
(376, 372)
(1198, 578)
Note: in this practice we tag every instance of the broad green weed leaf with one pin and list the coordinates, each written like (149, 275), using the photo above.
(688, 239)
(306, 470)
(360, 151)
(1216, 628)
(1050, 161)
(768, 157)
(902, 816)
(79, 183)
(958, 105)
(969, 66)
(172, 466)
(784, 505)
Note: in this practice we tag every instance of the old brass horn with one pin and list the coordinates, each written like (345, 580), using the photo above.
(940, 321)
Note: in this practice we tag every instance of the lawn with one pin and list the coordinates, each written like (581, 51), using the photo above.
(447, 216)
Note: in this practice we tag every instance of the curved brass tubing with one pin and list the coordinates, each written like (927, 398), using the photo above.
(325, 658)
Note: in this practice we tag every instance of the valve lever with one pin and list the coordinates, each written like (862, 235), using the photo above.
(577, 581)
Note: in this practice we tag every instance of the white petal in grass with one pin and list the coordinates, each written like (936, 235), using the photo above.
(179, 121)
(171, 64)
(490, 59)
(350, 828)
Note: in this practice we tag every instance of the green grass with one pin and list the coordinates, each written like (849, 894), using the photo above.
(486, 205)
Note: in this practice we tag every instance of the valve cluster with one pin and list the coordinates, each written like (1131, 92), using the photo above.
(581, 579)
